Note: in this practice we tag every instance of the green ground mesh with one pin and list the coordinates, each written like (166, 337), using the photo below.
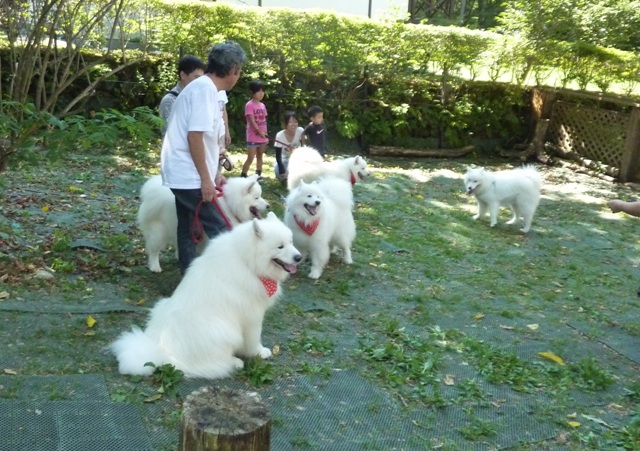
(345, 411)
(66, 413)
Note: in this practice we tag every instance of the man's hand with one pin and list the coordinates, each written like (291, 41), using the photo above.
(220, 180)
(208, 190)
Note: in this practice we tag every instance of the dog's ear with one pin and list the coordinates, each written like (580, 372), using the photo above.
(357, 160)
(257, 228)
(250, 187)
(271, 216)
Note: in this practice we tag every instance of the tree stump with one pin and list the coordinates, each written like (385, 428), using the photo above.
(216, 419)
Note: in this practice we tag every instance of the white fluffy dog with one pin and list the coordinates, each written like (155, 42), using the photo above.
(518, 189)
(307, 164)
(216, 312)
(320, 216)
(241, 201)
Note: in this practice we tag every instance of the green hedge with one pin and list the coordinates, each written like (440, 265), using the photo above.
(379, 82)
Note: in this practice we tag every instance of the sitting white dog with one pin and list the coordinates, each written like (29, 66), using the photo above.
(518, 189)
(216, 312)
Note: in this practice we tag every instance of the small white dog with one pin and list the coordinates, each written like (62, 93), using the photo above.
(321, 218)
(216, 312)
(518, 189)
(307, 164)
(241, 201)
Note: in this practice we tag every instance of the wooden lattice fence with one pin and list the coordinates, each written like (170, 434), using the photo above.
(592, 133)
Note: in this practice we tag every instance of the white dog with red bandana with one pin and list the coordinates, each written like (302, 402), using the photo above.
(321, 218)
(307, 164)
(215, 314)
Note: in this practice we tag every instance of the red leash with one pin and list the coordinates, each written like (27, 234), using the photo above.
(197, 225)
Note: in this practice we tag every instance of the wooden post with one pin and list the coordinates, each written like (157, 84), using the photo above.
(217, 419)
(631, 156)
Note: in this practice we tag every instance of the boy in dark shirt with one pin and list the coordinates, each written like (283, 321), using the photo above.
(315, 132)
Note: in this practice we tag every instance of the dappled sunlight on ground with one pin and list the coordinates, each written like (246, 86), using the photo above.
(431, 338)
(579, 192)
(609, 215)
(421, 175)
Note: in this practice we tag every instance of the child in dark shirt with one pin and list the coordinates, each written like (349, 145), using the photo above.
(315, 132)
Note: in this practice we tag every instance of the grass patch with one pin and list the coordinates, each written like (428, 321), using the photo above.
(439, 314)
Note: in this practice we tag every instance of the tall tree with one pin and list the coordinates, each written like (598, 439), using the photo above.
(467, 13)
(607, 23)
(47, 40)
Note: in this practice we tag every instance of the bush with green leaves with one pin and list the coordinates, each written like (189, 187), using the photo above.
(27, 135)
(381, 82)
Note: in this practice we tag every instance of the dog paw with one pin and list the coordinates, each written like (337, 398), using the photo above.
(238, 364)
(155, 267)
(476, 217)
(315, 274)
(265, 353)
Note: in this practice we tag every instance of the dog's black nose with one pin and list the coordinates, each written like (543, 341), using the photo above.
(268, 206)
(317, 203)
(297, 258)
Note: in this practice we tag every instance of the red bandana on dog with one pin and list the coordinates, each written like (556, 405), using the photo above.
(308, 229)
(353, 179)
(270, 285)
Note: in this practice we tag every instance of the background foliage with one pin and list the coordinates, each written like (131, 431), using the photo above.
(380, 82)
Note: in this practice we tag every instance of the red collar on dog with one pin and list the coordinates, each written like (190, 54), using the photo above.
(308, 229)
(353, 179)
(270, 285)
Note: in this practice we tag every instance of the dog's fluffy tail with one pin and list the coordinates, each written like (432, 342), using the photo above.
(150, 185)
(532, 174)
(338, 190)
(154, 197)
(133, 349)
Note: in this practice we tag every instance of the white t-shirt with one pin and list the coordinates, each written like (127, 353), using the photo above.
(295, 142)
(196, 109)
(222, 101)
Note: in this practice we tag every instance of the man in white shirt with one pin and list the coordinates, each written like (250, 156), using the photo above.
(191, 150)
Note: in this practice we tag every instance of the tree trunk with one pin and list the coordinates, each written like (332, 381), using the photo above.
(385, 151)
(536, 147)
(216, 419)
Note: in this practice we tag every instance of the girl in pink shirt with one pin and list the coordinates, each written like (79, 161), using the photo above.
(256, 114)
